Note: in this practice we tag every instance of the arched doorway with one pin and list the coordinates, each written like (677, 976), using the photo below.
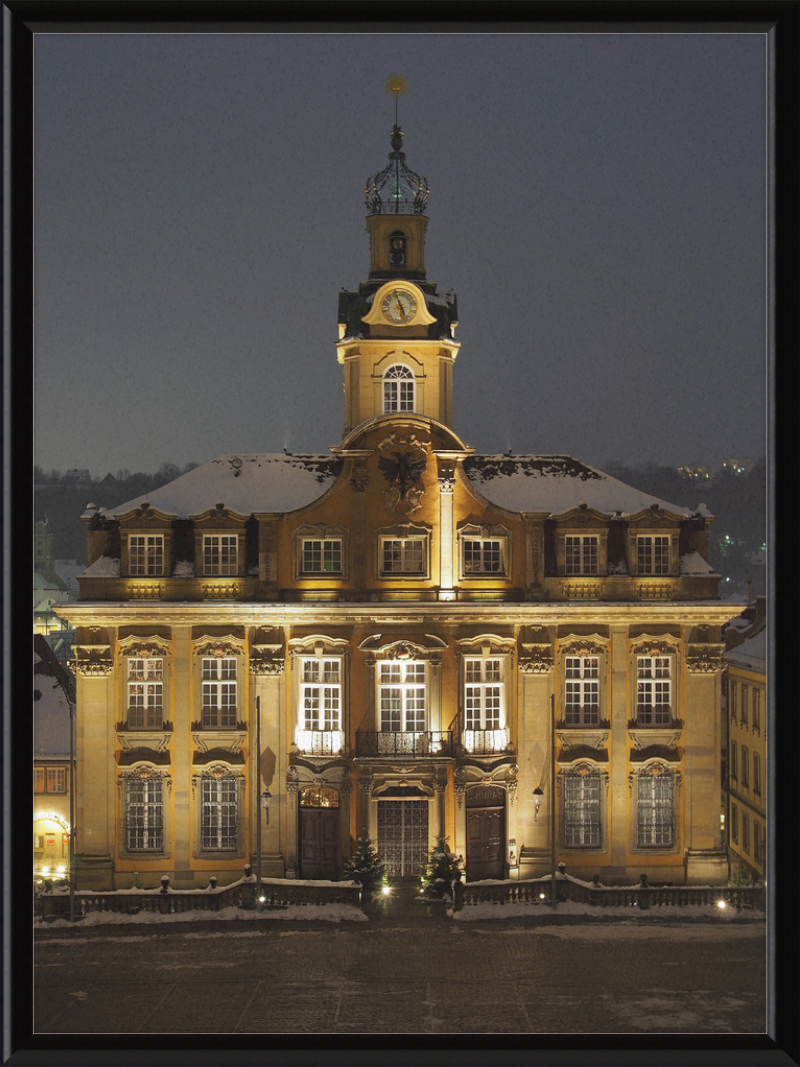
(319, 832)
(486, 832)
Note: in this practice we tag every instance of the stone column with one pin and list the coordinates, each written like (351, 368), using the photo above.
(620, 794)
(359, 481)
(345, 792)
(365, 799)
(440, 789)
(184, 703)
(269, 765)
(292, 788)
(446, 557)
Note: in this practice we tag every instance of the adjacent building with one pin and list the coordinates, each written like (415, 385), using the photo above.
(746, 659)
(402, 636)
(53, 691)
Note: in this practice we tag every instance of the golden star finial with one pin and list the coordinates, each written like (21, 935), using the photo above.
(396, 85)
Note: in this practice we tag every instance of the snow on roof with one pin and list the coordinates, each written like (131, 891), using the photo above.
(556, 484)
(104, 567)
(265, 482)
(752, 652)
(693, 563)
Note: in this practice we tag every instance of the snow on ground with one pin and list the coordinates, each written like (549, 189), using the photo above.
(327, 912)
(474, 912)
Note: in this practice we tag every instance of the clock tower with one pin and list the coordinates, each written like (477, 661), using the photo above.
(396, 333)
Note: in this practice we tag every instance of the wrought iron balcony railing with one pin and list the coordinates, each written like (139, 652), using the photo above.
(404, 744)
(485, 742)
(319, 742)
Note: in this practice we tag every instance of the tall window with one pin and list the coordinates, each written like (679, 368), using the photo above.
(654, 811)
(145, 708)
(582, 691)
(321, 694)
(38, 779)
(403, 555)
(581, 555)
(757, 848)
(733, 701)
(145, 814)
(402, 697)
(734, 824)
(745, 767)
(219, 692)
(734, 762)
(483, 557)
(744, 710)
(745, 831)
(582, 811)
(398, 389)
(483, 694)
(145, 554)
(652, 555)
(654, 690)
(323, 556)
(757, 710)
(757, 774)
(218, 816)
(219, 554)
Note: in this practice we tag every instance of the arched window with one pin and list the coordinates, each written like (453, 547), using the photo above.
(398, 389)
(397, 248)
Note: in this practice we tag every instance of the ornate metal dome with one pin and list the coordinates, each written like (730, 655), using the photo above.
(396, 190)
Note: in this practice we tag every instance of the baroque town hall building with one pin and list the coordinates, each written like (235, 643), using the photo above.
(515, 651)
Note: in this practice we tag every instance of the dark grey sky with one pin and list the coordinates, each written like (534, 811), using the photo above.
(597, 202)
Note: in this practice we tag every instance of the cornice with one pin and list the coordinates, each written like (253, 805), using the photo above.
(284, 613)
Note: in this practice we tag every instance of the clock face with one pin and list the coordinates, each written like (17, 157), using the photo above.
(399, 307)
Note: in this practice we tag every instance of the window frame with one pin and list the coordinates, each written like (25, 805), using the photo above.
(582, 568)
(409, 691)
(657, 718)
(415, 538)
(39, 777)
(202, 847)
(733, 701)
(471, 533)
(582, 683)
(733, 772)
(666, 803)
(744, 711)
(156, 782)
(756, 774)
(214, 722)
(152, 712)
(744, 767)
(218, 569)
(567, 780)
(482, 570)
(734, 824)
(652, 568)
(326, 533)
(147, 567)
(402, 405)
(59, 776)
(311, 739)
(756, 710)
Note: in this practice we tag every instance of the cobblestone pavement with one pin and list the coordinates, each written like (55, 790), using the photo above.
(404, 974)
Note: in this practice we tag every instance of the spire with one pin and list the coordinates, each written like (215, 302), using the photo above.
(396, 190)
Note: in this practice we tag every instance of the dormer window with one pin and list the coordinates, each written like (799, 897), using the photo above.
(397, 248)
(219, 554)
(398, 389)
(145, 554)
(652, 555)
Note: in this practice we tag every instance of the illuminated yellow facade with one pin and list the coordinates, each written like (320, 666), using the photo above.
(746, 660)
(517, 652)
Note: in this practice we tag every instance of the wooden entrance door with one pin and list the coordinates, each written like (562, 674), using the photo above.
(486, 833)
(319, 843)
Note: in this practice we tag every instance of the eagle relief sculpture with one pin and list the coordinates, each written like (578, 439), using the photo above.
(403, 472)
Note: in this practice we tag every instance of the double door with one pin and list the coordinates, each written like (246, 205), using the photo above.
(485, 843)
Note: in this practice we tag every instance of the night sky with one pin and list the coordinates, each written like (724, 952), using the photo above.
(597, 202)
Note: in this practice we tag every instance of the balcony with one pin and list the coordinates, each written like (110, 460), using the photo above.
(485, 742)
(318, 742)
(396, 744)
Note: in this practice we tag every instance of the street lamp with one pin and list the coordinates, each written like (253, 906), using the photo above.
(266, 800)
(537, 802)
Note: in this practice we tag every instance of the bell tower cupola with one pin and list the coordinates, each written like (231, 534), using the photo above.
(397, 334)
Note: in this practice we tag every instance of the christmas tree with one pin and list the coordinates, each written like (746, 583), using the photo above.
(366, 867)
(440, 872)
